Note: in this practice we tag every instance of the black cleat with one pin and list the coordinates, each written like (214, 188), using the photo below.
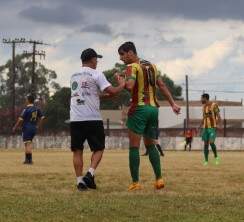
(90, 181)
(81, 187)
(27, 162)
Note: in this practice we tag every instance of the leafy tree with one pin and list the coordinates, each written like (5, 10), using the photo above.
(57, 110)
(175, 90)
(44, 80)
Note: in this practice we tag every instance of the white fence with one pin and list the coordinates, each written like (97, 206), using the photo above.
(168, 143)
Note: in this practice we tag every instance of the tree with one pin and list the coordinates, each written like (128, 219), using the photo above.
(57, 110)
(44, 80)
(175, 90)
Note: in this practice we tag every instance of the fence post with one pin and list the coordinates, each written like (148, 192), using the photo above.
(224, 127)
(108, 131)
(184, 126)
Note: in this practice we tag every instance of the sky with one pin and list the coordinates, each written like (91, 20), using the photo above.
(201, 39)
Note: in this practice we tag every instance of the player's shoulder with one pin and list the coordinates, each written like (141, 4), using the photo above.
(24, 110)
(144, 62)
(214, 104)
(133, 65)
(74, 75)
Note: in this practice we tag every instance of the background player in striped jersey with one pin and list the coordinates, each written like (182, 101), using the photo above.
(142, 78)
(211, 118)
(29, 119)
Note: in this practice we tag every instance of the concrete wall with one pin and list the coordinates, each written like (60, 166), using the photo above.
(168, 119)
(168, 143)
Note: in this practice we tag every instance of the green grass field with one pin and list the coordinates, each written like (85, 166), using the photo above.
(46, 191)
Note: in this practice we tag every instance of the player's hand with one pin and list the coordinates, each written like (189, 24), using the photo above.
(40, 129)
(220, 128)
(13, 130)
(199, 129)
(119, 79)
(176, 108)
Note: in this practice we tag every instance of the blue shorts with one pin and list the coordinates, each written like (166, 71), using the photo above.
(28, 134)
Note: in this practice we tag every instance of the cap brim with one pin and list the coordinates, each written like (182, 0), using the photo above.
(99, 56)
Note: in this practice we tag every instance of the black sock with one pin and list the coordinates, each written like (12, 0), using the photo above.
(206, 151)
(160, 149)
(29, 157)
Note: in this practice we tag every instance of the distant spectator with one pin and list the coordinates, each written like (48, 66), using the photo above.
(188, 139)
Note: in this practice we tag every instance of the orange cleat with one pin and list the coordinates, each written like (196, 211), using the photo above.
(159, 184)
(135, 186)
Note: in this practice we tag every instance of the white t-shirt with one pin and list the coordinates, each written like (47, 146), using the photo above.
(85, 88)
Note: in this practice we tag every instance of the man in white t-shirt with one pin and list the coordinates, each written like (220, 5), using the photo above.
(85, 119)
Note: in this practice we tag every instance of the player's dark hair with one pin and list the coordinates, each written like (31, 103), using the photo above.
(127, 46)
(30, 98)
(205, 95)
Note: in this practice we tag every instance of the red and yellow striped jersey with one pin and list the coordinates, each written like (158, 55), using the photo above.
(210, 116)
(145, 75)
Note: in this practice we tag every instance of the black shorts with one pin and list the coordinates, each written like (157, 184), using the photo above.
(92, 131)
(188, 140)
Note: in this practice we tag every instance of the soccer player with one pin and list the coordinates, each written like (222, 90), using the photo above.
(188, 139)
(85, 119)
(29, 118)
(142, 78)
(211, 118)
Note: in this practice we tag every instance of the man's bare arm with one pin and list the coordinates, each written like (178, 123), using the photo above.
(164, 90)
(113, 90)
(17, 124)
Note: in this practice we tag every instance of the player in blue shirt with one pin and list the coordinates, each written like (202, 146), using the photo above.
(30, 117)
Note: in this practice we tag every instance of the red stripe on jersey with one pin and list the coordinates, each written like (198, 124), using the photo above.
(146, 96)
(134, 101)
(128, 71)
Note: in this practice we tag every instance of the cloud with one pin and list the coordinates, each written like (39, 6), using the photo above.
(98, 28)
(174, 42)
(62, 15)
(191, 9)
(201, 62)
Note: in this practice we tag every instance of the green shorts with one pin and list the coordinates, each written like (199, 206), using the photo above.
(209, 134)
(144, 121)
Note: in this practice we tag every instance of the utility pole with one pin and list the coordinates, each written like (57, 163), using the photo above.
(13, 42)
(34, 53)
(187, 103)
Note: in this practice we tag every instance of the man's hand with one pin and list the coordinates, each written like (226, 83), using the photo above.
(14, 129)
(176, 108)
(220, 127)
(120, 80)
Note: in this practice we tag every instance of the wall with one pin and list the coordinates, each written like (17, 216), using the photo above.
(168, 119)
(168, 143)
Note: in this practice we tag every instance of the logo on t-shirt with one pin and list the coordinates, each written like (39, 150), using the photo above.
(74, 85)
